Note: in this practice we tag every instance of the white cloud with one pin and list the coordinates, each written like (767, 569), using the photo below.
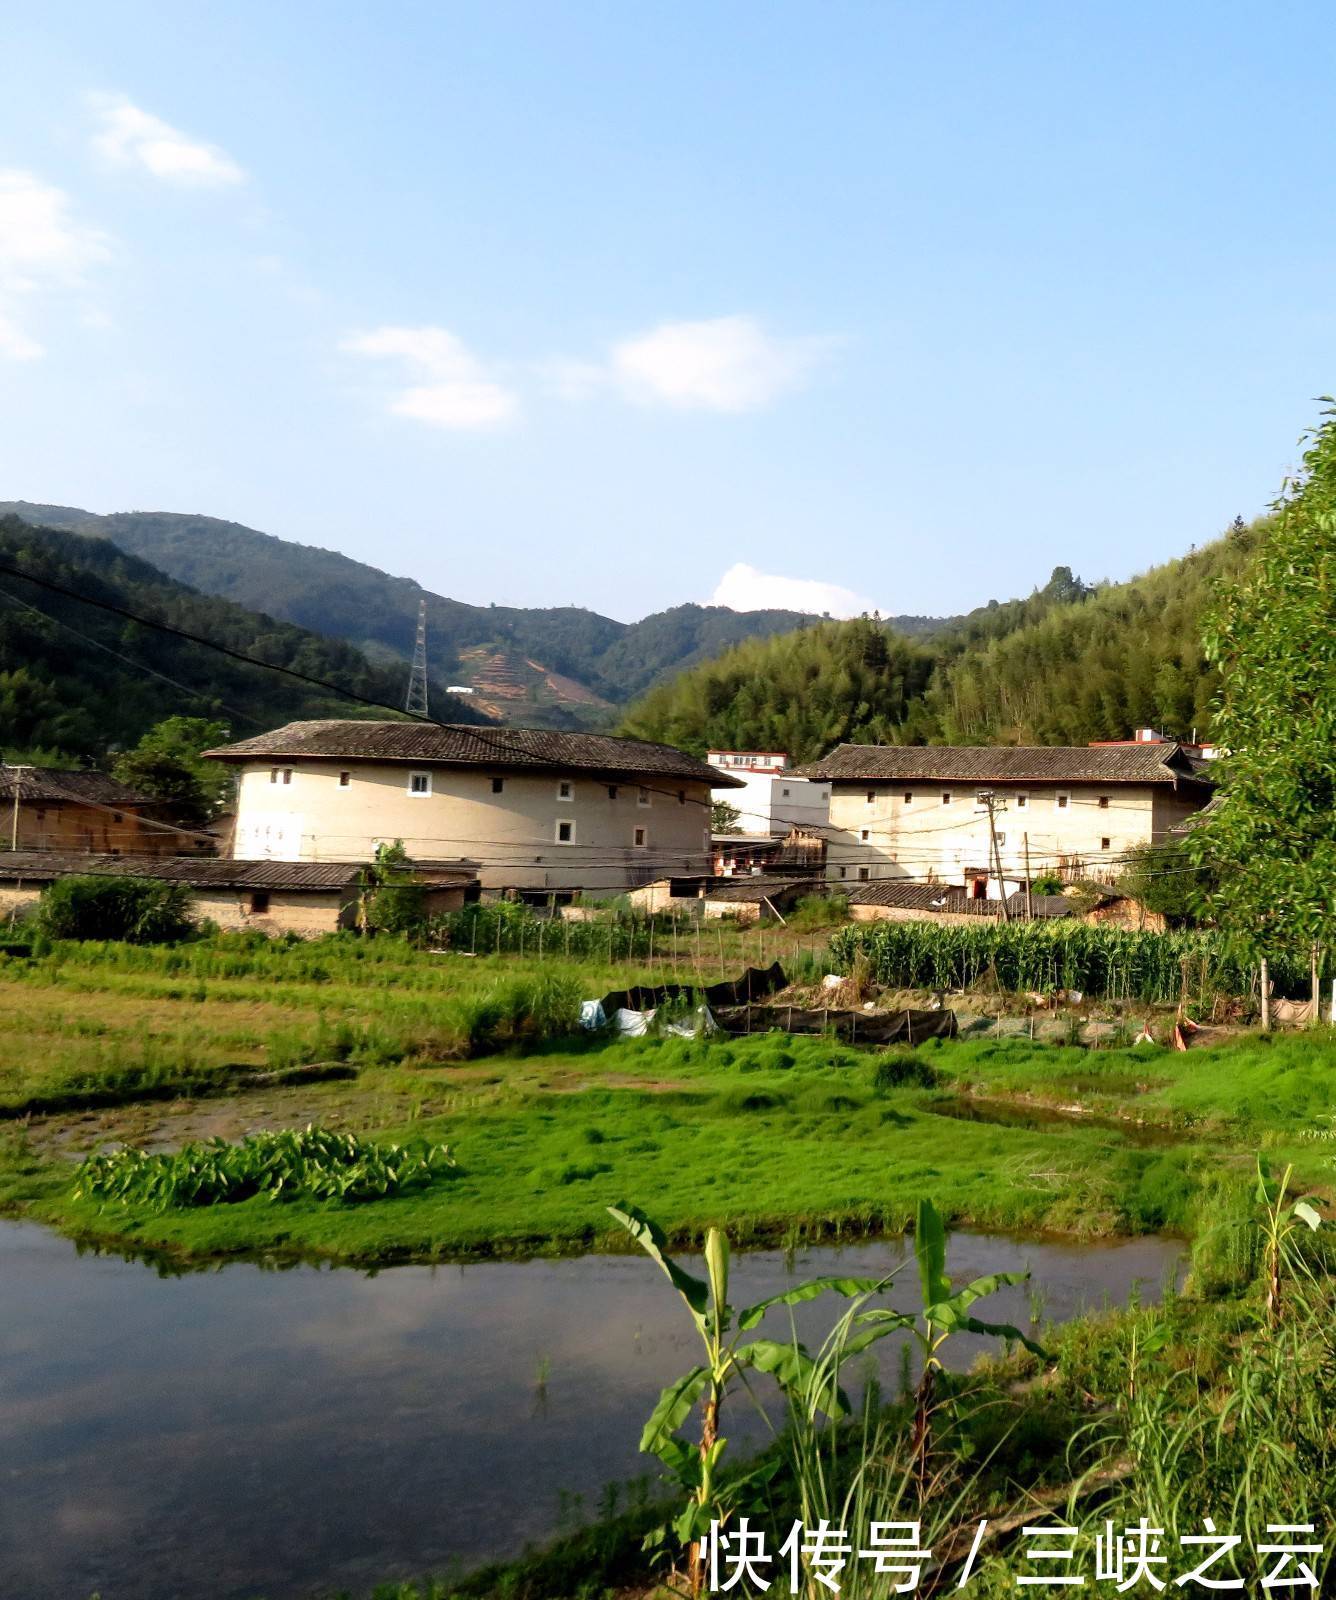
(129, 137)
(724, 364)
(42, 247)
(456, 391)
(746, 588)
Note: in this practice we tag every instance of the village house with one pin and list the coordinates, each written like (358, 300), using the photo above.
(49, 808)
(774, 799)
(273, 897)
(543, 813)
(986, 819)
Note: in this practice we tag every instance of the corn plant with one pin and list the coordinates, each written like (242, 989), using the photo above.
(310, 1164)
(729, 1357)
(1280, 1223)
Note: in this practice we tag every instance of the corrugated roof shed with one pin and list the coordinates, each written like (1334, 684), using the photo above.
(859, 763)
(455, 745)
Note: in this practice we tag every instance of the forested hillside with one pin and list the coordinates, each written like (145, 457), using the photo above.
(515, 656)
(76, 682)
(1069, 664)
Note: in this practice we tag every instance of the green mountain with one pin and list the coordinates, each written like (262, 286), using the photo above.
(563, 665)
(78, 681)
(1069, 664)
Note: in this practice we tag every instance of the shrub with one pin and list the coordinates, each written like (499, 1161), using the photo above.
(310, 1164)
(132, 910)
(902, 1068)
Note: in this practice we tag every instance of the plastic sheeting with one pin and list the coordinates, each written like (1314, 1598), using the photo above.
(754, 984)
(857, 1027)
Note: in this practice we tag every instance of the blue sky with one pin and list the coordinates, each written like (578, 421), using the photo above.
(625, 305)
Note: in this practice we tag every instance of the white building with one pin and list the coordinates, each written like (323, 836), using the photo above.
(773, 799)
(985, 818)
(537, 810)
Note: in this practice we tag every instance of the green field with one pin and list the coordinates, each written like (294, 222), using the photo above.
(775, 1138)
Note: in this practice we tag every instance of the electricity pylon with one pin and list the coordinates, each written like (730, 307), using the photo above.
(415, 702)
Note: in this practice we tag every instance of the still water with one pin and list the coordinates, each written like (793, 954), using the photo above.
(244, 1433)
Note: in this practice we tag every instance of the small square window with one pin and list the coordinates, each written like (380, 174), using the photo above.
(1022, 800)
(497, 785)
(1103, 802)
(641, 837)
(909, 798)
(864, 873)
(1104, 844)
(642, 799)
(865, 834)
(871, 796)
(844, 872)
(273, 775)
(785, 793)
(946, 799)
(565, 833)
(565, 789)
(287, 774)
(259, 902)
(1062, 801)
(345, 780)
(612, 791)
(419, 783)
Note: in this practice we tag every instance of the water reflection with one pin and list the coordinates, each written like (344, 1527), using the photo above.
(247, 1432)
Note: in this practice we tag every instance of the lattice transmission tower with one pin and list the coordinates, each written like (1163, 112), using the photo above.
(415, 702)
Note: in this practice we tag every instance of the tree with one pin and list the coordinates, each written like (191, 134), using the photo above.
(166, 764)
(724, 818)
(390, 900)
(136, 910)
(1270, 838)
(1165, 878)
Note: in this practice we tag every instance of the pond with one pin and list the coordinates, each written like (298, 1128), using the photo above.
(244, 1432)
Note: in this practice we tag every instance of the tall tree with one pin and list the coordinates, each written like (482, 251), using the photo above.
(1270, 838)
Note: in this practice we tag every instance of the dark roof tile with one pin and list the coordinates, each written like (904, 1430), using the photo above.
(866, 763)
(456, 745)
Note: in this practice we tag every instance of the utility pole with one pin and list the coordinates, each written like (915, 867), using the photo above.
(18, 783)
(1029, 897)
(990, 800)
(415, 702)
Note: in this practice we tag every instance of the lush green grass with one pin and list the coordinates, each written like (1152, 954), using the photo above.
(775, 1138)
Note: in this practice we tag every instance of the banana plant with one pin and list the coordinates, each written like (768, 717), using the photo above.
(1280, 1223)
(729, 1357)
(944, 1312)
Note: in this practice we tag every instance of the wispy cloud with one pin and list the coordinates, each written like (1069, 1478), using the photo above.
(42, 248)
(723, 364)
(130, 137)
(746, 588)
(455, 391)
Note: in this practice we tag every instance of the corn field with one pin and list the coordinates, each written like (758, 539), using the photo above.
(1108, 963)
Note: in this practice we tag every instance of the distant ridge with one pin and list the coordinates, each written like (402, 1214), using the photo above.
(565, 666)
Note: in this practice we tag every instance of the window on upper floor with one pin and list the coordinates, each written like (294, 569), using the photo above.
(1020, 801)
(419, 783)
(498, 784)
(908, 798)
(1104, 844)
(1103, 802)
(612, 791)
(565, 789)
(643, 797)
(640, 838)
(946, 797)
(1062, 801)
(565, 832)
(872, 797)
(864, 873)
(345, 780)
(864, 834)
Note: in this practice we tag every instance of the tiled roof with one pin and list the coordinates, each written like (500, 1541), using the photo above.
(52, 784)
(752, 888)
(904, 895)
(206, 872)
(907, 896)
(456, 745)
(860, 763)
